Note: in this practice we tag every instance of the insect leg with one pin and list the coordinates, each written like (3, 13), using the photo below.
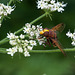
(48, 42)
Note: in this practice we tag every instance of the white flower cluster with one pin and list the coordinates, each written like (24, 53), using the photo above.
(5, 10)
(21, 44)
(51, 5)
(33, 32)
(72, 36)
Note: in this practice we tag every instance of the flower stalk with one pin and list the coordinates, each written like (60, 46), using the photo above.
(3, 50)
(5, 40)
(10, 2)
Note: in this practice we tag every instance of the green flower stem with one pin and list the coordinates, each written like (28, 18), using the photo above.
(37, 19)
(10, 2)
(5, 40)
(3, 50)
(52, 51)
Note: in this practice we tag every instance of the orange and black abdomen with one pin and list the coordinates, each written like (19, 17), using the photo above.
(52, 34)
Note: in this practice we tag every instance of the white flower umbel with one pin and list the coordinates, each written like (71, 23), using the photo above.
(19, 44)
(25, 42)
(5, 10)
(51, 5)
(72, 36)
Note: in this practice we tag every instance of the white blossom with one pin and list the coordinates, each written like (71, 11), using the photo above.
(52, 1)
(5, 10)
(11, 51)
(33, 43)
(22, 36)
(31, 33)
(11, 35)
(13, 42)
(28, 25)
(26, 41)
(72, 36)
(26, 53)
(27, 30)
(51, 5)
(29, 47)
(33, 27)
(23, 45)
(20, 49)
(73, 43)
(69, 34)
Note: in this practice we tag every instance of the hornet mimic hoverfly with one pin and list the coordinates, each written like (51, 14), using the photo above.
(51, 36)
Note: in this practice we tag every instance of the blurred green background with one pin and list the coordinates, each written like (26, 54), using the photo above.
(38, 63)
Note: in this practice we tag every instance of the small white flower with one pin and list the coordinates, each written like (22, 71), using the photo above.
(33, 43)
(73, 43)
(26, 41)
(28, 25)
(72, 36)
(11, 51)
(27, 30)
(31, 33)
(11, 35)
(18, 41)
(13, 42)
(25, 49)
(29, 47)
(25, 44)
(33, 27)
(69, 34)
(20, 49)
(26, 53)
(9, 10)
(52, 1)
(41, 4)
(60, 9)
(22, 36)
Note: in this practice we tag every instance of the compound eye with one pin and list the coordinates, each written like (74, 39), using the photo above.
(41, 32)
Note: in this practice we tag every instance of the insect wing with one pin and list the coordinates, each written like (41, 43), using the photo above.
(59, 27)
(55, 41)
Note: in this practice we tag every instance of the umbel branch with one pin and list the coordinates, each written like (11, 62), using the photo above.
(3, 50)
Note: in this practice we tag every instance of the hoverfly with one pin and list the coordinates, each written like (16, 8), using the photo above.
(51, 36)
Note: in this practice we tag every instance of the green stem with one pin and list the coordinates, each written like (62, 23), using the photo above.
(3, 50)
(10, 2)
(5, 40)
(52, 51)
